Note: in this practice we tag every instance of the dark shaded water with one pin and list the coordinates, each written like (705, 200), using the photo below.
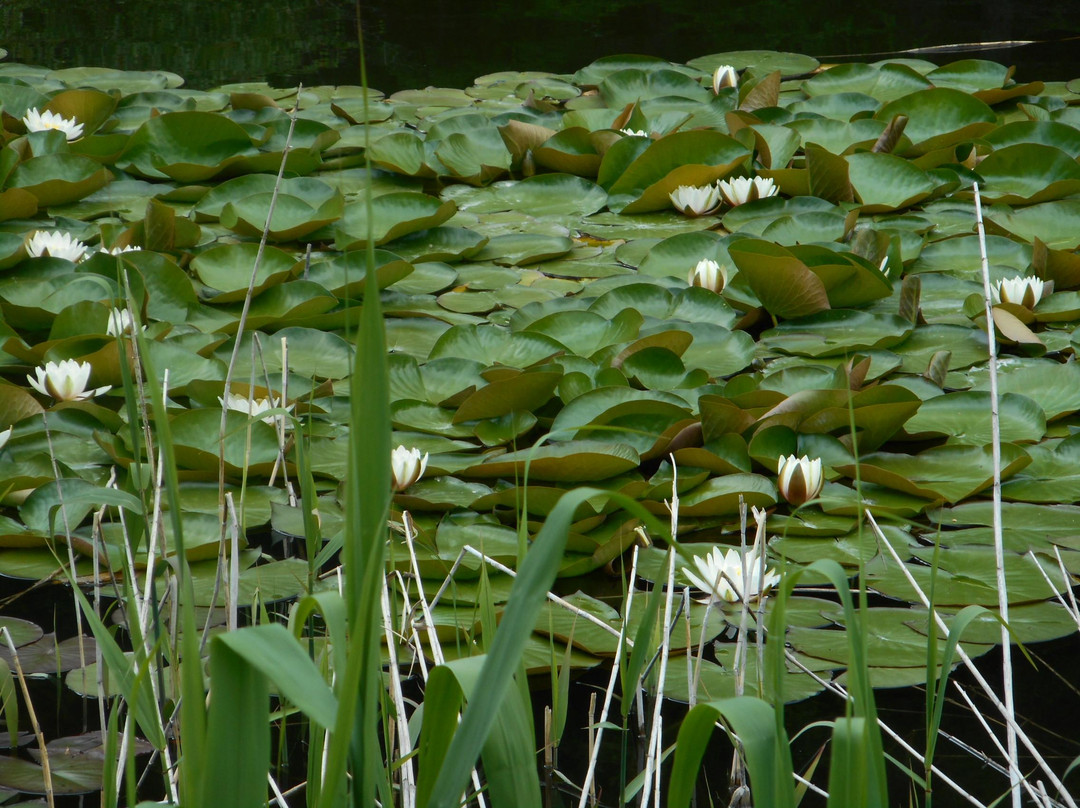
(437, 42)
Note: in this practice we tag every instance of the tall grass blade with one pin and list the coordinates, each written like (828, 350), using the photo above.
(535, 576)
(767, 754)
(272, 651)
(848, 768)
(238, 759)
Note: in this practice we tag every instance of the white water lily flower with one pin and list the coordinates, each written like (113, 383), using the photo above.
(43, 121)
(55, 245)
(740, 190)
(721, 575)
(724, 76)
(737, 190)
(1026, 292)
(120, 322)
(4, 436)
(119, 250)
(65, 381)
(693, 200)
(799, 478)
(708, 275)
(407, 466)
(634, 132)
(254, 407)
(764, 187)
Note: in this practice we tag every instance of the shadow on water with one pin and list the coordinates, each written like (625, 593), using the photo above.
(436, 42)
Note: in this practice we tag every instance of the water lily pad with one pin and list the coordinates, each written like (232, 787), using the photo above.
(1054, 223)
(965, 418)
(293, 217)
(633, 85)
(186, 146)
(939, 117)
(682, 158)
(58, 179)
(439, 244)
(227, 269)
(1026, 173)
(832, 333)
(969, 576)
(572, 461)
(1054, 387)
(488, 344)
(761, 61)
(1052, 476)
(885, 82)
(393, 216)
(522, 249)
(952, 473)
(884, 182)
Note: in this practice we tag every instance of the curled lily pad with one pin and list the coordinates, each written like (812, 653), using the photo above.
(939, 117)
(831, 333)
(226, 269)
(633, 85)
(186, 146)
(1027, 173)
(393, 215)
(885, 83)
(884, 182)
(682, 158)
(572, 461)
(965, 417)
(57, 179)
(292, 219)
(952, 473)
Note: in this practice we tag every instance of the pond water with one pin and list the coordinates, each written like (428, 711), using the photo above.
(411, 45)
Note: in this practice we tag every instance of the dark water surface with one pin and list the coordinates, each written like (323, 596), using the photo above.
(442, 43)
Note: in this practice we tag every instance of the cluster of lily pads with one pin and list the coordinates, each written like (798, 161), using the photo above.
(640, 275)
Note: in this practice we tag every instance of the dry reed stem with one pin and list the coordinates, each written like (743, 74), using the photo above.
(45, 770)
(999, 544)
(970, 665)
(587, 786)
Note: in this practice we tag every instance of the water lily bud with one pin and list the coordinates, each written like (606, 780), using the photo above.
(800, 479)
(4, 436)
(43, 121)
(55, 245)
(407, 466)
(695, 200)
(120, 322)
(708, 275)
(1024, 292)
(65, 381)
(724, 76)
(721, 575)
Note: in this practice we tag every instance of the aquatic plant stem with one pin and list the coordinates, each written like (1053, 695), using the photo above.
(45, 770)
(587, 785)
(408, 779)
(652, 761)
(999, 546)
(973, 669)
